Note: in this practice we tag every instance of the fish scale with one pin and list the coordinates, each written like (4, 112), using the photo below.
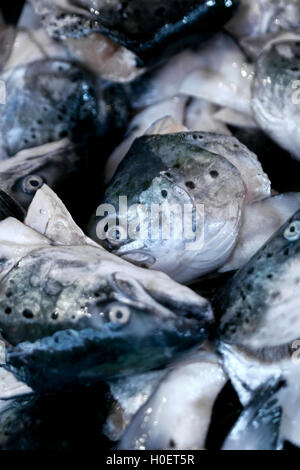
(260, 312)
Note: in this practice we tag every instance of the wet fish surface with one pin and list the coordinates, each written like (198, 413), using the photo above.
(258, 426)
(175, 170)
(261, 312)
(57, 164)
(71, 312)
(48, 422)
(262, 19)
(186, 396)
(48, 100)
(155, 29)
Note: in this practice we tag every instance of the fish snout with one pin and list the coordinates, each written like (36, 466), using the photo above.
(196, 312)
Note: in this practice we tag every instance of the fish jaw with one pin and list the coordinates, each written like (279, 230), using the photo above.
(78, 339)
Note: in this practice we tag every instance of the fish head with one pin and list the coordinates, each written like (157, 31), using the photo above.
(275, 94)
(46, 101)
(261, 311)
(73, 314)
(197, 192)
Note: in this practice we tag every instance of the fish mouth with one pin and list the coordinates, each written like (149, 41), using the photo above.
(188, 313)
(130, 290)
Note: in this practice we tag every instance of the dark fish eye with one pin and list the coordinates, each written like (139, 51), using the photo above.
(119, 314)
(292, 232)
(190, 184)
(32, 183)
(214, 174)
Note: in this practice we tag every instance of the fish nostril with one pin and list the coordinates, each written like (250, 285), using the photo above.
(190, 184)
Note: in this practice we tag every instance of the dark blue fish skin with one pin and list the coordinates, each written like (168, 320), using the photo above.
(69, 319)
(156, 30)
(49, 100)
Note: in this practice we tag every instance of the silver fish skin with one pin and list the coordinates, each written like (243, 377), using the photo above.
(78, 314)
(261, 312)
(270, 213)
(256, 181)
(252, 373)
(129, 395)
(178, 414)
(175, 170)
(275, 94)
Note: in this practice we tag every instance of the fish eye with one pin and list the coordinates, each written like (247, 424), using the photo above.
(32, 183)
(119, 314)
(292, 232)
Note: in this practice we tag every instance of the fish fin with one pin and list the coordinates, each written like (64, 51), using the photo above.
(258, 426)
(49, 216)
